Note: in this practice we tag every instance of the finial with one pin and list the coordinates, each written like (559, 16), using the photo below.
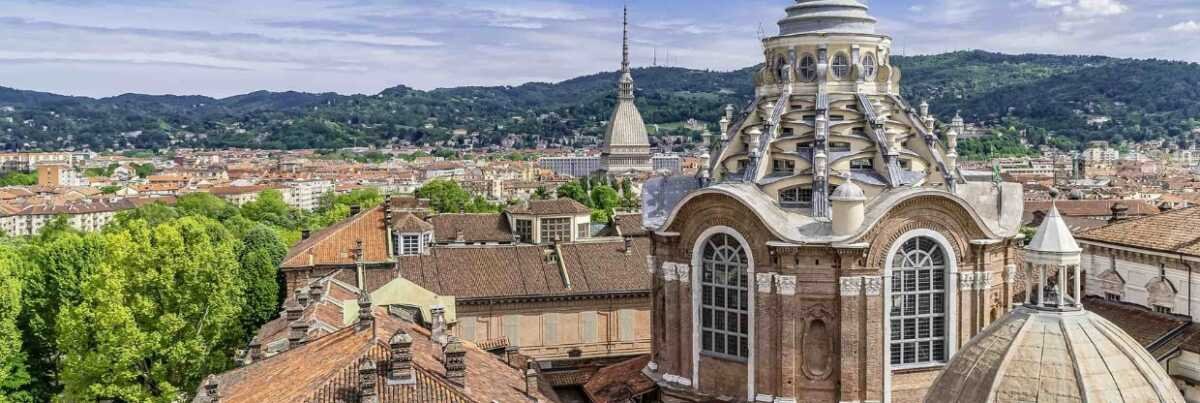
(625, 41)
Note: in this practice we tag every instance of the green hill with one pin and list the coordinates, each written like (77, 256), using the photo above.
(1042, 94)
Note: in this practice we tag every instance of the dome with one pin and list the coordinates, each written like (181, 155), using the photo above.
(1033, 355)
(834, 16)
(848, 192)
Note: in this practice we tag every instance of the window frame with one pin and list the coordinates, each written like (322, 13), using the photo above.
(551, 226)
(835, 147)
(869, 166)
(523, 227)
(808, 68)
(797, 197)
(407, 249)
(840, 66)
(870, 66)
(926, 314)
(729, 260)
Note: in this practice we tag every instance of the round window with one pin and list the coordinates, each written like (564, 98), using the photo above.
(841, 66)
(808, 68)
(869, 67)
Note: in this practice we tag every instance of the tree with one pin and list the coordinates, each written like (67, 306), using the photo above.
(153, 214)
(270, 208)
(575, 191)
(14, 376)
(541, 193)
(160, 312)
(204, 205)
(604, 201)
(144, 170)
(260, 254)
(445, 196)
(18, 179)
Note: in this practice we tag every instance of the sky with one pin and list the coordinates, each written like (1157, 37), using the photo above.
(226, 47)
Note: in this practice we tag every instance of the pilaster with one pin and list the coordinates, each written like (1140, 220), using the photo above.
(852, 364)
(873, 335)
(766, 338)
(789, 349)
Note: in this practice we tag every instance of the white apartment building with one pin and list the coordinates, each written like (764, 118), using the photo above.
(306, 195)
(84, 215)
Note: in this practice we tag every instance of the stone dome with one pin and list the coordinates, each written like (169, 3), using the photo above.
(848, 191)
(832, 16)
(1034, 355)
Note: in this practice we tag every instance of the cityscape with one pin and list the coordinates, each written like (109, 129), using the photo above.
(841, 222)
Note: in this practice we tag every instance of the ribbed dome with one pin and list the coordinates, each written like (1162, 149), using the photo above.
(626, 128)
(833, 16)
(1052, 356)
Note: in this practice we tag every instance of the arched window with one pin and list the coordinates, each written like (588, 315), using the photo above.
(841, 66)
(918, 316)
(724, 306)
(808, 68)
(797, 197)
(869, 67)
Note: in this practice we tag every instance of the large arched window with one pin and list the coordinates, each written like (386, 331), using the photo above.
(724, 305)
(918, 316)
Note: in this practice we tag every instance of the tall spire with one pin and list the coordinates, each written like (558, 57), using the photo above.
(625, 86)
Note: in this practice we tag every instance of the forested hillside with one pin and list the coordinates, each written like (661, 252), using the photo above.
(1074, 98)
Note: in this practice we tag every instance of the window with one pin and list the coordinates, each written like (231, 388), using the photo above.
(1112, 297)
(556, 229)
(525, 230)
(797, 197)
(804, 148)
(862, 164)
(783, 166)
(841, 66)
(410, 245)
(918, 316)
(837, 118)
(782, 72)
(584, 230)
(869, 67)
(742, 165)
(839, 147)
(788, 132)
(1162, 309)
(808, 68)
(906, 164)
(724, 307)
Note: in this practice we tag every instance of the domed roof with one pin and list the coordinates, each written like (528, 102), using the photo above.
(848, 191)
(835, 16)
(1032, 355)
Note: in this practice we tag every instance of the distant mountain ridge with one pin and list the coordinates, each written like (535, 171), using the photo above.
(1056, 99)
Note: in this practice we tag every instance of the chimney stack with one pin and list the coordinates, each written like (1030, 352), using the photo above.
(302, 297)
(255, 349)
(458, 237)
(355, 209)
(315, 292)
(628, 246)
(512, 355)
(531, 378)
(401, 359)
(366, 381)
(455, 361)
(438, 324)
(297, 334)
(1119, 212)
(366, 319)
(293, 311)
(211, 389)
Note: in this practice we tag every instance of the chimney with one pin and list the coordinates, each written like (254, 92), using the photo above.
(297, 334)
(302, 297)
(438, 324)
(1119, 212)
(293, 311)
(628, 246)
(455, 361)
(366, 319)
(355, 209)
(305, 233)
(401, 359)
(458, 236)
(211, 389)
(366, 381)
(315, 292)
(531, 379)
(255, 349)
(512, 355)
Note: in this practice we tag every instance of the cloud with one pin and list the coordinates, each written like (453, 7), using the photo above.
(1189, 27)
(1095, 8)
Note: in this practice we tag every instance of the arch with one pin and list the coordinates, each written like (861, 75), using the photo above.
(949, 269)
(1112, 282)
(701, 242)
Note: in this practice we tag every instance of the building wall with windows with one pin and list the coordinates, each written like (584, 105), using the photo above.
(565, 330)
(1156, 281)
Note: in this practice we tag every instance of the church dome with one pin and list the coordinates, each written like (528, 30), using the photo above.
(832, 16)
(1036, 355)
(848, 191)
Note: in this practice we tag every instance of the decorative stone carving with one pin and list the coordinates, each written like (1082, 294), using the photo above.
(966, 280)
(872, 285)
(650, 260)
(983, 280)
(764, 282)
(851, 286)
(1112, 282)
(683, 272)
(1162, 292)
(786, 285)
(668, 270)
(1010, 273)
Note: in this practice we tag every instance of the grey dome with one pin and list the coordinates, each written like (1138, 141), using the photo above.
(831, 16)
(848, 191)
(1038, 356)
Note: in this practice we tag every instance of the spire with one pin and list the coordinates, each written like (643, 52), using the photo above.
(625, 85)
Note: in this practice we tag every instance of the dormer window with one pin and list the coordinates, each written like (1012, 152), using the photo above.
(797, 197)
(410, 244)
(862, 164)
(804, 148)
(841, 66)
(839, 147)
(783, 166)
(556, 230)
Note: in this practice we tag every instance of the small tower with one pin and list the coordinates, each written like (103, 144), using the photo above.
(956, 128)
(849, 208)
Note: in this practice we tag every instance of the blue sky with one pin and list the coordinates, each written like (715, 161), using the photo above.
(226, 47)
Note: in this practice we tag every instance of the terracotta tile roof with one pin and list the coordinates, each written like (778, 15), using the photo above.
(1093, 208)
(325, 370)
(474, 227)
(238, 190)
(472, 272)
(630, 224)
(408, 203)
(333, 245)
(1143, 325)
(620, 382)
(407, 222)
(550, 207)
(1172, 232)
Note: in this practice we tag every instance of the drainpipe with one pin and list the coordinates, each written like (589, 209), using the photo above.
(1189, 284)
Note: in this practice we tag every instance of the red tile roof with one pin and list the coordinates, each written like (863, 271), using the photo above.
(550, 207)
(620, 382)
(475, 227)
(1171, 232)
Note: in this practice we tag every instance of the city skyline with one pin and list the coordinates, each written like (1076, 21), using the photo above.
(220, 48)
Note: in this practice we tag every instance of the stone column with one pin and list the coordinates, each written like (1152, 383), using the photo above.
(766, 340)
(673, 361)
(965, 286)
(683, 273)
(789, 348)
(876, 378)
(852, 364)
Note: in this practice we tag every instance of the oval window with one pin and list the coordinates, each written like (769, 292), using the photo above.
(869, 66)
(808, 68)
